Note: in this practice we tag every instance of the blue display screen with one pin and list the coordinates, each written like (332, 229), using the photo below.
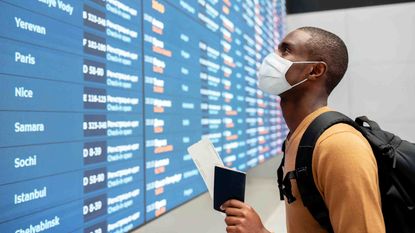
(101, 98)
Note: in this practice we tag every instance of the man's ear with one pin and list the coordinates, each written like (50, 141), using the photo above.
(317, 70)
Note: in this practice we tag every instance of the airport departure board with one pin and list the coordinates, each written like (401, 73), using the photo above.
(101, 98)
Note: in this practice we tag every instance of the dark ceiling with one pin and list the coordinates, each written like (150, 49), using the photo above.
(303, 6)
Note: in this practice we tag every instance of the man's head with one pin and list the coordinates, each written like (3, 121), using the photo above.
(315, 44)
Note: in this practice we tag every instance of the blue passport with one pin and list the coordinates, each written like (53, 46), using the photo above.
(228, 184)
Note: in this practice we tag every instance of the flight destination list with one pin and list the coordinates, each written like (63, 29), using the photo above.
(101, 98)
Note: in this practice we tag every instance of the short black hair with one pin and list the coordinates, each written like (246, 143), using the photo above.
(328, 47)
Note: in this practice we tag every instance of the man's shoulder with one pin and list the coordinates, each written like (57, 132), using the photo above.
(342, 135)
(342, 151)
(342, 143)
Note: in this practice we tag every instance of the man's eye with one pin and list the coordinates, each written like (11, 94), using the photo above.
(285, 50)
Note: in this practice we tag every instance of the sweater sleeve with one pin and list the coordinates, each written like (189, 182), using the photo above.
(345, 172)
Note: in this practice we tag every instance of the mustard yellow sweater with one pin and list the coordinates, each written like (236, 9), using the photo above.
(345, 172)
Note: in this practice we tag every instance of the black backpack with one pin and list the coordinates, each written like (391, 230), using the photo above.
(396, 170)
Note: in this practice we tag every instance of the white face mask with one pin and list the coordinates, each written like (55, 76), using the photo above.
(271, 75)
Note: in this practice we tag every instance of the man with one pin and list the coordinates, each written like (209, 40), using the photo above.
(308, 65)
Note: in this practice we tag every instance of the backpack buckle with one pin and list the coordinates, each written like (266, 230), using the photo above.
(285, 187)
(286, 192)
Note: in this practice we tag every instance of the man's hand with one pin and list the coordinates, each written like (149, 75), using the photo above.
(241, 218)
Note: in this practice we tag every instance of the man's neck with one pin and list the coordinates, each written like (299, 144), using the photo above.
(294, 111)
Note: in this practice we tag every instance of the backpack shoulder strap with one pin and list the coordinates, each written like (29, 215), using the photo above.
(280, 172)
(284, 184)
(304, 173)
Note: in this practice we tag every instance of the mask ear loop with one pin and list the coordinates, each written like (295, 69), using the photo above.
(299, 83)
(306, 62)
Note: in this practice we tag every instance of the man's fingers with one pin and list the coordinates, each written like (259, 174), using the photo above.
(234, 212)
(233, 203)
(232, 229)
(232, 221)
